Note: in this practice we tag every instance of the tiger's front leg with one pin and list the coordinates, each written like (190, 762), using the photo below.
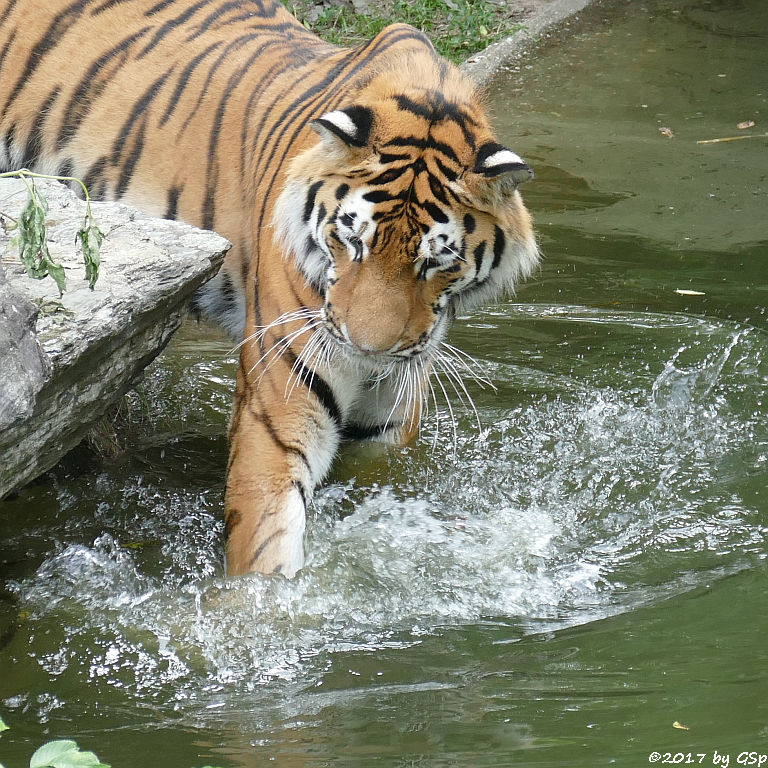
(280, 448)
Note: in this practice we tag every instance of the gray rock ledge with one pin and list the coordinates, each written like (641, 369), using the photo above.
(65, 361)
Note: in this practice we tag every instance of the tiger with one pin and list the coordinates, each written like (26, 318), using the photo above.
(363, 189)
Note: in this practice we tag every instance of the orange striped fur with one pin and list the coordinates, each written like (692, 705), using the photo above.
(363, 191)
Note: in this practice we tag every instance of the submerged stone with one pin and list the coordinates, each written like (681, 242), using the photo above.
(65, 360)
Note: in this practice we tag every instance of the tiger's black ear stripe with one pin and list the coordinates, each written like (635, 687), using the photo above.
(496, 160)
(352, 125)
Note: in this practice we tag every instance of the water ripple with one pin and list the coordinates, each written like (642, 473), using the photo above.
(580, 502)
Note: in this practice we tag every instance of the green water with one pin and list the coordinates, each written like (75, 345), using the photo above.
(556, 589)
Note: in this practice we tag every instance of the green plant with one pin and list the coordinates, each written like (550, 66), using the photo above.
(63, 753)
(339, 24)
(32, 234)
(457, 28)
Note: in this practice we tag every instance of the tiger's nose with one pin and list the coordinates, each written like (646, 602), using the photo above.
(375, 336)
(374, 307)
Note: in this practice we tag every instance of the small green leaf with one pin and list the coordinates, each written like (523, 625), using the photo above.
(3, 727)
(31, 232)
(91, 238)
(64, 753)
(7, 224)
(32, 237)
(56, 271)
(32, 242)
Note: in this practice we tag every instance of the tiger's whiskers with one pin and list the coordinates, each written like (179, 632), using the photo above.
(303, 313)
(415, 382)
(312, 319)
(318, 352)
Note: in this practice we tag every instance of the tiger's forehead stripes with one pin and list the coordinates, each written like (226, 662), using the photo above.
(435, 108)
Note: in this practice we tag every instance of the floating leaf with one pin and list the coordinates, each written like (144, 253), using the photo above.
(746, 124)
(680, 726)
(135, 544)
(64, 754)
(3, 726)
(686, 292)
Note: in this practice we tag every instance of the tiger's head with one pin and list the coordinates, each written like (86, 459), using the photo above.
(406, 210)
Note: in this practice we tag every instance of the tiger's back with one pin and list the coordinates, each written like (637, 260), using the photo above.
(185, 110)
(403, 210)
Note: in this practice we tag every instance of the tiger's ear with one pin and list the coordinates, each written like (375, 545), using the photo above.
(495, 161)
(348, 127)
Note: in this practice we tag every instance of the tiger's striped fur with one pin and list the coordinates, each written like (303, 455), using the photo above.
(363, 191)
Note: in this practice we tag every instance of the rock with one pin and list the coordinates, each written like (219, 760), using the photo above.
(24, 366)
(64, 361)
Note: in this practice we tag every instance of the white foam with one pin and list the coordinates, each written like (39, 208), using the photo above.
(545, 519)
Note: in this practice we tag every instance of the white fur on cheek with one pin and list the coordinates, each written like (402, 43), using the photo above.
(293, 232)
(519, 259)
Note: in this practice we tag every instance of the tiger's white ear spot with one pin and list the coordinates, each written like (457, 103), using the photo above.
(350, 126)
(502, 157)
(495, 160)
(342, 121)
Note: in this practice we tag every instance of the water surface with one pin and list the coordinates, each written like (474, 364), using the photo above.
(555, 588)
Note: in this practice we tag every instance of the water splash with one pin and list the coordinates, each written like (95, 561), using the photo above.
(577, 504)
